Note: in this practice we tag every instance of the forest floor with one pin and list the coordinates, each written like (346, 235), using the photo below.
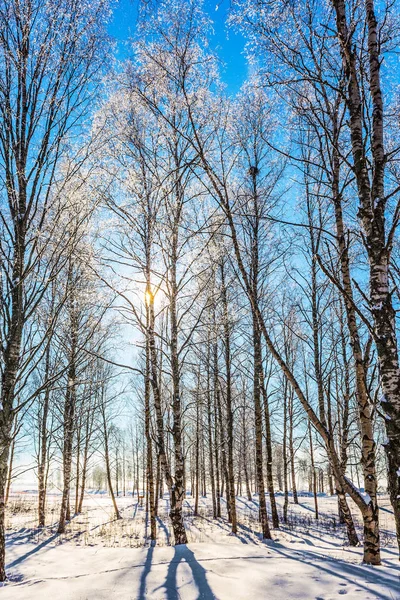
(100, 558)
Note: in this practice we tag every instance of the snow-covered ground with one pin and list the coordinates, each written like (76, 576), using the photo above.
(100, 558)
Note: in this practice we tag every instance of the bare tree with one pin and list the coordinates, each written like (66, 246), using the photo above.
(49, 53)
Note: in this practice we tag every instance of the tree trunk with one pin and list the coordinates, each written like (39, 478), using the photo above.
(257, 383)
(107, 459)
(291, 446)
(10, 469)
(43, 441)
(149, 448)
(10, 368)
(224, 475)
(313, 472)
(218, 438)
(197, 452)
(245, 456)
(69, 412)
(229, 411)
(268, 439)
(210, 434)
(88, 434)
(78, 471)
(284, 451)
(177, 490)
(176, 493)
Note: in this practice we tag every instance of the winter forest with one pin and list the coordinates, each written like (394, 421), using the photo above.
(200, 371)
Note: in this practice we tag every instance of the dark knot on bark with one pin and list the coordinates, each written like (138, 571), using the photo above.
(254, 171)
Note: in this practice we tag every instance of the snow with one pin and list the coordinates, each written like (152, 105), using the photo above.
(377, 306)
(99, 558)
(367, 498)
(197, 571)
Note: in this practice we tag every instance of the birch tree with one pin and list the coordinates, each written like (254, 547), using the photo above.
(49, 53)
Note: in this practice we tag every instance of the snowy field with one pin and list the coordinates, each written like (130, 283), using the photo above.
(100, 558)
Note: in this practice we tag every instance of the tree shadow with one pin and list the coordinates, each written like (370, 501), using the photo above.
(384, 509)
(252, 505)
(363, 575)
(327, 516)
(216, 522)
(183, 553)
(163, 526)
(303, 537)
(146, 571)
(37, 548)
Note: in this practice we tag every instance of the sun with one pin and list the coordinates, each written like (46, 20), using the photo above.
(148, 297)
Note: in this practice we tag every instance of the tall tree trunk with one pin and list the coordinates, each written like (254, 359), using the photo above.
(158, 486)
(10, 366)
(284, 452)
(176, 496)
(78, 457)
(70, 399)
(107, 458)
(224, 475)
(378, 245)
(291, 446)
(217, 431)
(217, 468)
(210, 433)
(69, 413)
(123, 470)
(197, 453)
(149, 445)
(268, 440)
(245, 455)
(88, 434)
(161, 487)
(177, 490)
(43, 443)
(10, 469)
(313, 472)
(229, 410)
(257, 383)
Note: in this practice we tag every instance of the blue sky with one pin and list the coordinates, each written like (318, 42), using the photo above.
(229, 45)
